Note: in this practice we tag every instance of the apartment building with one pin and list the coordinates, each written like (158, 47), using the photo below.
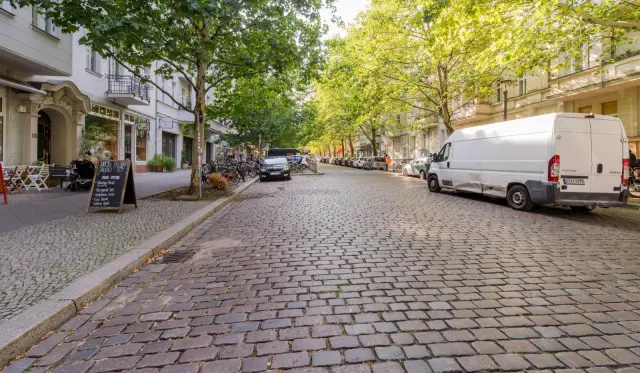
(586, 86)
(30, 45)
(55, 94)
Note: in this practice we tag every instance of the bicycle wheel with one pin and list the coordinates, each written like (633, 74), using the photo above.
(634, 189)
(252, 173)
(234, 177)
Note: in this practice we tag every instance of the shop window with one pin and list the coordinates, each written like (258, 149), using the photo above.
(138, 127)
(1, 130)
(610, 108)
(100, 135)
(585, 110)
(141, 144)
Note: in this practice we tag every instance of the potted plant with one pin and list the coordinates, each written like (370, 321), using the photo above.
(155, 163)
(168, 164)
(185, 162)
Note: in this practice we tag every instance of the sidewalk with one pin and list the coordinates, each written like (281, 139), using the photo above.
(48, 243)
(37, 208)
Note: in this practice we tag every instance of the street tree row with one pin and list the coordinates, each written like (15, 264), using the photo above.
(435, 58)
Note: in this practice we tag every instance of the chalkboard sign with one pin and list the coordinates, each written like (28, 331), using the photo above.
(112, 186)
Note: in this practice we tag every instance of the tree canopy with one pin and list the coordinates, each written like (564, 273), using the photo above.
(208, 44)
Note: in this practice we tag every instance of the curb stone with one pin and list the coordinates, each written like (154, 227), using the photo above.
(18, 334)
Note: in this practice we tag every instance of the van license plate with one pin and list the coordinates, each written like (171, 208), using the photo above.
(573, 181)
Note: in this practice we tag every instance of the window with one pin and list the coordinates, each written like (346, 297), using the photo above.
(140, 127)
(522, 86)
(6, 6)
(498, 94)
(443, 155)
(43, 23)
(161, 83)
(585, 110)
(173, 91)
(93, 61)
(1, 128)
(610, 108)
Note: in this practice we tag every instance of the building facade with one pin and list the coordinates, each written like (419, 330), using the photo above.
(587, 86)
(59, 98)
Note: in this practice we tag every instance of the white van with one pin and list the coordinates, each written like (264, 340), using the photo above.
(575, 160)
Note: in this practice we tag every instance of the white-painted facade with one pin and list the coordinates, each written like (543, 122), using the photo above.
(51, 88)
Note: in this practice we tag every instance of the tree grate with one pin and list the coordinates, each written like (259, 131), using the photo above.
(179, 256)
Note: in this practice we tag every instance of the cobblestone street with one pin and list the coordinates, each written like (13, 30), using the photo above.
(368, 272)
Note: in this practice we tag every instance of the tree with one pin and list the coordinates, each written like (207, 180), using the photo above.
(352, 100)
(206, 43)
(441, 57)
(263, 109)
(619, 14)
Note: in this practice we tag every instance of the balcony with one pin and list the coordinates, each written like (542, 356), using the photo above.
(472, 111)
(128, 90)
(624, 72)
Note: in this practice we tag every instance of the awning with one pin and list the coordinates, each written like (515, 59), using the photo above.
(21, 86)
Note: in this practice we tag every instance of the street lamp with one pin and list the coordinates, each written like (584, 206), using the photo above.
(505, 96)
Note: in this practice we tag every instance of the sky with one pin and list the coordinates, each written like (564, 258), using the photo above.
(347, 11)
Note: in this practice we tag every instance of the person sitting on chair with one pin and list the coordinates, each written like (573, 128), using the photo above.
(89, 157)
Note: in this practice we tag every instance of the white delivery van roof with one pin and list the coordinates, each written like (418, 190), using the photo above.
(535, 124)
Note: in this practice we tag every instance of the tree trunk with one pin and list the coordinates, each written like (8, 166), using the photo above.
(194, 188)
(343, 147)
(351, 146)
(330, 151)
(374, 143)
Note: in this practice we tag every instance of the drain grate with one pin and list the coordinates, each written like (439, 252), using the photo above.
(179, 256)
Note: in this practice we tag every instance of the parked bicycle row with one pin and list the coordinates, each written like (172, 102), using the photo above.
(238, 170)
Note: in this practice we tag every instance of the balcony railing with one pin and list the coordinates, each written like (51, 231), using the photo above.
(128, 85)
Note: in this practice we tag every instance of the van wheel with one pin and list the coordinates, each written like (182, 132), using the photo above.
(434, 186)
(404, 173)
(518, 198)
(423, 175)
(582, 208)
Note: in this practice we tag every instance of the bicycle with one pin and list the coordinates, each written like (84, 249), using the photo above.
(368, 165)
(232, 175)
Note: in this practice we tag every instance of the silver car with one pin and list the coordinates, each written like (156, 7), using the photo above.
(417, 167)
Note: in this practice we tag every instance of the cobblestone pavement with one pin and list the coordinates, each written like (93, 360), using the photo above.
(366, 272)
(40, 260)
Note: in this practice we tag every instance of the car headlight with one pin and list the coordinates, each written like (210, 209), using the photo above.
(286, 168)
(263, 169)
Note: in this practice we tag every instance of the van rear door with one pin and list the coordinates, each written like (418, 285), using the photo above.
(573, 145)
(606, 159)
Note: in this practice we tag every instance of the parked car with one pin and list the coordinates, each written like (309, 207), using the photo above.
(379, 163)
(275, 168)
(417, 167)
(575, 160)
(345, 161)
(358, 162)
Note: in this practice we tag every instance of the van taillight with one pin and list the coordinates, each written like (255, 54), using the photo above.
(625, 172)
(554, 169)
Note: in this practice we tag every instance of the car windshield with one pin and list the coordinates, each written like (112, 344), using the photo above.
(275, 161)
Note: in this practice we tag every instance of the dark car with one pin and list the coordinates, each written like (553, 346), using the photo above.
(275, 168)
